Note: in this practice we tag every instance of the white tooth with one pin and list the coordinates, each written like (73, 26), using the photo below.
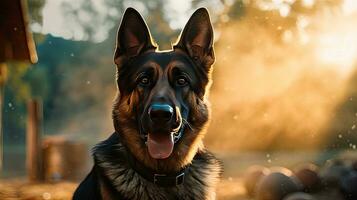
(172, 137)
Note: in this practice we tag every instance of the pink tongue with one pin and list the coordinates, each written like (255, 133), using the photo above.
(160, 145)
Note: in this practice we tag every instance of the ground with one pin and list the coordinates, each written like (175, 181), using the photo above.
(17, 189)
(230, 187)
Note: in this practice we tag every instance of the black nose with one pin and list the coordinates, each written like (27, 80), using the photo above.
(160, 112)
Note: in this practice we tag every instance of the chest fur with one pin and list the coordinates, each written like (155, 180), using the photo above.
(200, 180)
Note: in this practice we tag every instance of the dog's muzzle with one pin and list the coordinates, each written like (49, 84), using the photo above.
(161, 128)
(163, 114)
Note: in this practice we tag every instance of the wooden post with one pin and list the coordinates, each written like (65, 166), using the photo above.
(3, 76)
(1, 129)
(34, 144)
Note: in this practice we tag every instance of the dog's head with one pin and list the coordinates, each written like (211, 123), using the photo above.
(161, 109)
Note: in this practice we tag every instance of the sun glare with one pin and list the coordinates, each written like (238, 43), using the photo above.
(339, 49)
(349, 7)
(336, 42)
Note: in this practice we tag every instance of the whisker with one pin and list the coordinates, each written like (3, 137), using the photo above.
(185, 122)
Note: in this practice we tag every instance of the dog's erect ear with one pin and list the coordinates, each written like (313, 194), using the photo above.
(197, 38)
(133, 36)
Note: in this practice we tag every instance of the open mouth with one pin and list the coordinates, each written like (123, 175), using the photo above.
(161, 128)
(161, 145)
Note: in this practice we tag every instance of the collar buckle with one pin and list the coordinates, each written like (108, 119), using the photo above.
(180, 178)
(164, 179)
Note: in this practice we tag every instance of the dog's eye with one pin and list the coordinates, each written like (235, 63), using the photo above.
(181, 81)
(144, 80)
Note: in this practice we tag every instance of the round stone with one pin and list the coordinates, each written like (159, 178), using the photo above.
(275, 186)
(299, 196)
(349, 186)
(333, 172)
(252, 177)
(308, 176)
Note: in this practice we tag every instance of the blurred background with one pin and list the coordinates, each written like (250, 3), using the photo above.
(284, 83)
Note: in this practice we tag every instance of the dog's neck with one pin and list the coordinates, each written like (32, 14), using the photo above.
(163, 179)
(111, 157)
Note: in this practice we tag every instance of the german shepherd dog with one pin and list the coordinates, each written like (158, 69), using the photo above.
(160, 116)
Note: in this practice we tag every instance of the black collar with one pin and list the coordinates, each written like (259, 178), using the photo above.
(158, 178)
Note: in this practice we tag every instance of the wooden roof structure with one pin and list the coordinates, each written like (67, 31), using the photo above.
(16, 42)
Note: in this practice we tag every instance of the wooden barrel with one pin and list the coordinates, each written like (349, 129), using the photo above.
(65, 159)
